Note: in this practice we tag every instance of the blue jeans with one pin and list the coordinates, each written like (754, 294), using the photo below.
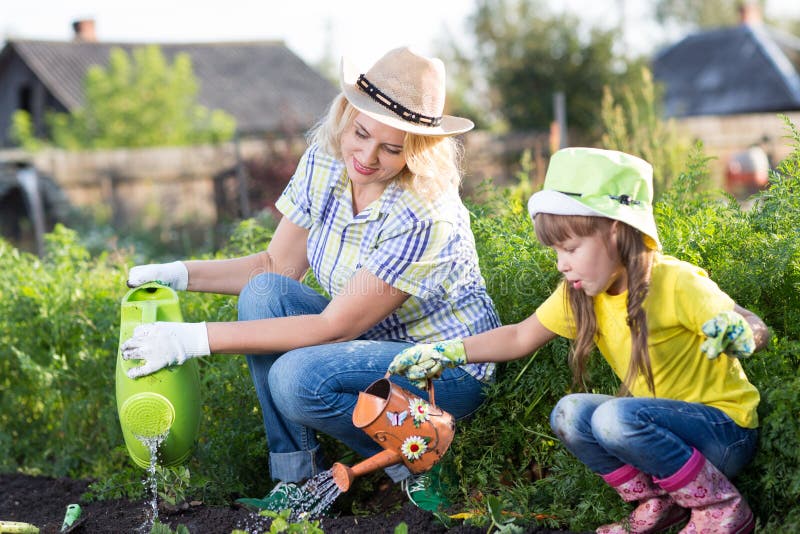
(653, 435)
(315, 388)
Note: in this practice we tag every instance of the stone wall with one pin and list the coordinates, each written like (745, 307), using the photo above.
(175, 186)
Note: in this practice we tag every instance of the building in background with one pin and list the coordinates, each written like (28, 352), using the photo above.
(728, 88)
(265, 86)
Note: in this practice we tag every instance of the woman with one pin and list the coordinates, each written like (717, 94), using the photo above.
(373, 210)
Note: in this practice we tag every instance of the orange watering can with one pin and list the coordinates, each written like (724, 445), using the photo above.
(410, 429)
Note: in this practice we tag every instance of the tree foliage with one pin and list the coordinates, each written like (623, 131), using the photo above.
(706, 14)
(632, 122)
(526, 55)
(716, 13)
(139, 100)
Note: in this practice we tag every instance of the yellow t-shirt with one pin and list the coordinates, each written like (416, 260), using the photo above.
(680, 300)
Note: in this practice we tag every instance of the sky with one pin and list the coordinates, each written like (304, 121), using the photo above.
(313, 29)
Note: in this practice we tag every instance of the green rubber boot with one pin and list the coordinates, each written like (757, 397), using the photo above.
(427, 490)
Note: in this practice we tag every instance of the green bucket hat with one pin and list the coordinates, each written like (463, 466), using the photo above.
(599, 183)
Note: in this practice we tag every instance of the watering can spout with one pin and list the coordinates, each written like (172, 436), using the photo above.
(344, 475)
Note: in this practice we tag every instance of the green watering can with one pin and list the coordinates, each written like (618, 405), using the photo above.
(165, 401)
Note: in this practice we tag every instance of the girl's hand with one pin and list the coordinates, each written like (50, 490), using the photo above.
(427, 361)
(730, 333)
(162, 344)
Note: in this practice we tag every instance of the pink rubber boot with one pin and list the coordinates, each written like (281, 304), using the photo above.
(717, 506)
(656, 511)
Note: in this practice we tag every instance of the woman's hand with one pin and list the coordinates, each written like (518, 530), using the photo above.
(427, 361)
(730, 333)
(174, 275)
(162, 344)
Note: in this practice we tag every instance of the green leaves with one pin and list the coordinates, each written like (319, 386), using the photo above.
(58, 340)
(137, 100)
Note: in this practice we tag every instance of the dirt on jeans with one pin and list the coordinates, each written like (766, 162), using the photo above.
(42, 502)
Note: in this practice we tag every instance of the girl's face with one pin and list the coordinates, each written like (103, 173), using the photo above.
(372, 151)
(591, 263)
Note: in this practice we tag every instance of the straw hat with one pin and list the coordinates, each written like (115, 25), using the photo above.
(404, 90)
(599, 183)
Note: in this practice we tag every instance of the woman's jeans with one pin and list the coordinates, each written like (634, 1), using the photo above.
(653, 435)
(315, 388)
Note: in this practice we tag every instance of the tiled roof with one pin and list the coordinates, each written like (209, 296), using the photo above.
(742, 69)
(264, 85)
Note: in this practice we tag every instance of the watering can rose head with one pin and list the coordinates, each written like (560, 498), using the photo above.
(426, 361)
(162, 344)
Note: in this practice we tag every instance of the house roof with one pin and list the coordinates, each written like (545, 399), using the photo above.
(743, 69)
(264, 85)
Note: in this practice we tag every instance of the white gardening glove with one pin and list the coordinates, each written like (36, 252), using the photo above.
(174, 275)
(161, 344)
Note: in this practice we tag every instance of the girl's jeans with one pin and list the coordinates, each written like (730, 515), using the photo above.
(653, 435)
(315, 388)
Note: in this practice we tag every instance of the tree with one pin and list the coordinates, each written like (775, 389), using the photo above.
(526, 55)
(138, 101)
(716, 13)
(706, 14)
(633, 123)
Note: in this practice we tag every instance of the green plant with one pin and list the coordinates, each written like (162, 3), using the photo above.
(161, 528)
(137, 100)
(173, 484)
(633, 123)
(281, 522)
(22, 133)
(59, 323)
(498, 522)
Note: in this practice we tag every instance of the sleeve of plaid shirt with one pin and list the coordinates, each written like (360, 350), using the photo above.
(413, 258)
(295, 201)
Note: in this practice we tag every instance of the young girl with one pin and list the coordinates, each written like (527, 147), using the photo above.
(686, 421)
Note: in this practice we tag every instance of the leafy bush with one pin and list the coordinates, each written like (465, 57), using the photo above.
(753, 254)
(59, 321)
(138, 99)
(633, 124)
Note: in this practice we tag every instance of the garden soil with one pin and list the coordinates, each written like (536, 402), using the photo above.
(42, 502)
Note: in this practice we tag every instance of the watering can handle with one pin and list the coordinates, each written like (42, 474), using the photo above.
(429, 387)
(149, 312)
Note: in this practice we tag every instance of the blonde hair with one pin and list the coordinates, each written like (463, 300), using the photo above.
(432, 162)
(637, 259)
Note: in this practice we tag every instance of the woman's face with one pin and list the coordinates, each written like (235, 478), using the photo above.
(591, 263)
(372, 151)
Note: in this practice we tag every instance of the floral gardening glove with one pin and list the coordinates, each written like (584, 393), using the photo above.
(427, 360)
(162, 344)
(730, 333)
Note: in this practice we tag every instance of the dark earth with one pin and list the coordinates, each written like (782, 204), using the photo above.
(42, 502)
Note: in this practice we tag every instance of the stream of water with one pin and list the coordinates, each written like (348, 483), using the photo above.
(152, 444)
(317, 495)
(312, 501)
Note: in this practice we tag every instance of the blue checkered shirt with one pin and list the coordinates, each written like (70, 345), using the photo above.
(423, 248)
